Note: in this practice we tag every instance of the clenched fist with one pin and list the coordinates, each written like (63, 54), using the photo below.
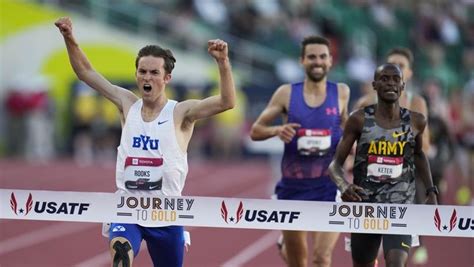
(64, 25)
(218, 49)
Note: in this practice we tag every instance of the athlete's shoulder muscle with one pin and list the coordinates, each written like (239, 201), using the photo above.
(418, 104)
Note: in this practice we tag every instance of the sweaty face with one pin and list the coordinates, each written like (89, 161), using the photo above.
(403, 63)
(389, 84)
(316, 61)
(151, 76)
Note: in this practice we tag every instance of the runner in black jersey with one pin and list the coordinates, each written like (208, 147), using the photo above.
(389, 156)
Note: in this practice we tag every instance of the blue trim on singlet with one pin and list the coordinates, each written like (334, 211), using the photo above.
(297, 169)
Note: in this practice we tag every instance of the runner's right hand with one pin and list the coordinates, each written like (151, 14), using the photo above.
(287, 131)
(354, 193)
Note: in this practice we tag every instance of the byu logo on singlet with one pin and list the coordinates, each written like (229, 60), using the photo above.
(145, 142)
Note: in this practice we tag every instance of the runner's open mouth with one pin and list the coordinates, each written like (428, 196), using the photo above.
(147, 87)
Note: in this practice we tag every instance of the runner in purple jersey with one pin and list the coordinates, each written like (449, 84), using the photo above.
(313, 112)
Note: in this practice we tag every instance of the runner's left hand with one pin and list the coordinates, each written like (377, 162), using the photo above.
(218, 49)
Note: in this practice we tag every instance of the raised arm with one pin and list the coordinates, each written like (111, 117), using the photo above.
(263, 129)
(119, 96)
(194, 110)
(352, 131)
(422, 166)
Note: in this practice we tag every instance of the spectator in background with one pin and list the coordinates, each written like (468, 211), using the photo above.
(432, 90)
(441, 150)
(31, 124)
(228, 129)
(467, 136)
(84, 112)
(438, 67)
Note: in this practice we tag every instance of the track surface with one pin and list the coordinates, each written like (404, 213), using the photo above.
(51, 244)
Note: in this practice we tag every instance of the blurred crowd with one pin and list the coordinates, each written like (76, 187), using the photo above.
(265, 36)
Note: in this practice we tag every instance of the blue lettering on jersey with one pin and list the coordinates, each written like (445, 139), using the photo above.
(145, 142)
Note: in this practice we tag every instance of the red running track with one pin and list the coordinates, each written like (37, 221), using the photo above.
(39, 243)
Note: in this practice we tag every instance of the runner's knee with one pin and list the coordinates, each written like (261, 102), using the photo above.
(122, 253)
(396, 258)
(322, 258)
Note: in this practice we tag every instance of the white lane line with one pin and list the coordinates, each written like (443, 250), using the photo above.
(102, 259)
(98, 260)
(41, 235)
(252, 250)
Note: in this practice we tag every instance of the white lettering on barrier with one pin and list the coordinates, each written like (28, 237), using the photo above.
(441, 220)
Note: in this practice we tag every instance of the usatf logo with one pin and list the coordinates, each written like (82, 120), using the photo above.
(14, 205)
(452, 221)
(238, 214)
(263, 216)
(51, 207)
(463, 223)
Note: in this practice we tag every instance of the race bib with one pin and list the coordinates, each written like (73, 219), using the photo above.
(383, 169)
(313, 142)
(143, 173)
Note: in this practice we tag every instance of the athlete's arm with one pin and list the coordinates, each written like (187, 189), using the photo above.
(422, 167)
(263, 129)
(344, 95)
(419, 105)
(119, 96)
(194, 110)
(352, 132)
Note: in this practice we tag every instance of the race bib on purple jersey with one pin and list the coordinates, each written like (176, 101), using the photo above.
(313, 142)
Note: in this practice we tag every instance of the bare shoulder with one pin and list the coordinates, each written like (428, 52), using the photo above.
(343, 90)
(355, 122)
(127, 97)
(283, 91)
(183, 106)
(281, 96)
(357, 115)
(418, 104)
(418, 120)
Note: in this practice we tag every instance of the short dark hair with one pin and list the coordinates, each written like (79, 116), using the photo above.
(313, 39)
(403, 51)
(157, 51)
(379, 69)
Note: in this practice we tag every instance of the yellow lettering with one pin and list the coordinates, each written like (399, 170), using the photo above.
(386, 148)
(391, 148)
(401, 144)
(382, 147)
(376, 224)
(163, 215)
(372, 148)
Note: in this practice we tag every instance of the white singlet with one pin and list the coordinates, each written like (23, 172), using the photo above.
(149, 159)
